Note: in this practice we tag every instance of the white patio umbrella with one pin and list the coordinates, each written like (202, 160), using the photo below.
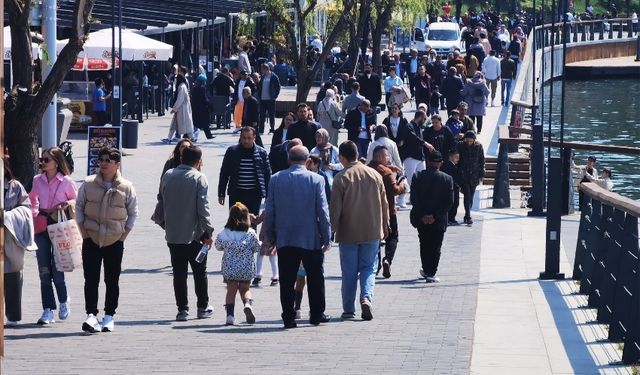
(135, 47)
(6, 53)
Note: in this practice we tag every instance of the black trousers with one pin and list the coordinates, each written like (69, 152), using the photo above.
(430, 245)
(412, 86)
(183, 255)
(391, 242)
(468, 190)
(250, 198)
(456, 202)
(93, 257)
(289, 259)
(101, 117)
(13, 296)
(270, 107)
(478, 121)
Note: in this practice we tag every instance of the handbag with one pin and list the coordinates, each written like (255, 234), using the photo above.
(39, 224)
(66, 242)
(336, 124)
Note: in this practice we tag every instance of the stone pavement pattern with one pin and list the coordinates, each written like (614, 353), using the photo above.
(417, 328)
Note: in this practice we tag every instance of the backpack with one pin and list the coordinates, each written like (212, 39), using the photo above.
(66, 147)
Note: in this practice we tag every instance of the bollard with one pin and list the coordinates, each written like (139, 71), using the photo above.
(501, 198)
(554, 223)
(638, 48)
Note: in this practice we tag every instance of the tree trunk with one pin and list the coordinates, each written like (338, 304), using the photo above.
(21, 121)
(377, 29)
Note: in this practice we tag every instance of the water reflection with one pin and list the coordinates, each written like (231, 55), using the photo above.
(602, 111)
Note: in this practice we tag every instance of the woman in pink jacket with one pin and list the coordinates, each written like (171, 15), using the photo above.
(52, 190)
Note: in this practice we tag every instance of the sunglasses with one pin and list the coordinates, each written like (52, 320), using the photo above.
(44, 160)
(105, 160)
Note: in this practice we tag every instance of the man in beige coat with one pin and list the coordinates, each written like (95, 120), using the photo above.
(360, 217)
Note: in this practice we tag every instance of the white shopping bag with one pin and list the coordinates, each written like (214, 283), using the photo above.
(66, 241)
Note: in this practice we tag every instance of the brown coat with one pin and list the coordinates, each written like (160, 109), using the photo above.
(391, 186)
(359, 209)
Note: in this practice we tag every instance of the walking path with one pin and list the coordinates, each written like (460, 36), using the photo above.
(488, 315)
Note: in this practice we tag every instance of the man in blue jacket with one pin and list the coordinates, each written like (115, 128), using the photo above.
(268, 91)
(297, 222)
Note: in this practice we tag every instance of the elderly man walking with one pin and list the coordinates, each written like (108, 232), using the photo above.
(360, 217)
(297, 222)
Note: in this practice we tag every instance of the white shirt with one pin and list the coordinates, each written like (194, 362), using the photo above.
(394, 125)
(240, 88)
(363, 126)
(491, 68)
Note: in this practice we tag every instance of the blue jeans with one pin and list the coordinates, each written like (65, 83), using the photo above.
(363, 146)
(358, 260)
(505, 84)
(49, 272)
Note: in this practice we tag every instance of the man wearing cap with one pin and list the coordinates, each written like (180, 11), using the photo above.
(471, 169)
(106, 210)
(431, 197)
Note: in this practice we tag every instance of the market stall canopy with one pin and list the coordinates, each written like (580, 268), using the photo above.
(135, 47)
(35, 48)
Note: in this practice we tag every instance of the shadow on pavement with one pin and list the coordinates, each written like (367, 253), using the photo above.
(45, 335)
(160, 322)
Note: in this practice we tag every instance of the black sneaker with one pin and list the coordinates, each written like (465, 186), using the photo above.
(274, 282)
(324, 318)
(290, 324)
(256, 281)
(453, 223)
(386, 269)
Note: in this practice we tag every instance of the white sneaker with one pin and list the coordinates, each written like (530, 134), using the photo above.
(65, 310)
(91, 325)
(248, 312)
(46, 318)
(298, 314)
(432, 279)
(108, 323)
(230, 320)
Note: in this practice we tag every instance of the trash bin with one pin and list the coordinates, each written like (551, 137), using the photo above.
(129, 134)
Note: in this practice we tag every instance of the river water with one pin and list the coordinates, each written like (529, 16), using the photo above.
(603, 111)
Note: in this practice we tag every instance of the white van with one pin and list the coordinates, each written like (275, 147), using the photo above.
(444, 37)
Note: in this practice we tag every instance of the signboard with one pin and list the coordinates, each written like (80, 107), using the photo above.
(99, 138)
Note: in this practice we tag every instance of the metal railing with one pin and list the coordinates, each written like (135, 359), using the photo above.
(607, 264)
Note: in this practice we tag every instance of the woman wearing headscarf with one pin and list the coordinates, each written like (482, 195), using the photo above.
(200, 107)
(328, 154)
(328, 111)
(18, 237)
(475, 93)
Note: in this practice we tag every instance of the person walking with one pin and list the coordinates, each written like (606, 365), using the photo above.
(187, 224)
(414, 146)
(352, 100)
(450, 167)
(360, 217)
(245, 172)
(52, 190)
(359, 123)
(393, 186)
(328, 154)
(106, 211)
(280, 135)
(381, 138)
(507, 76)
(200, 108)
(422, 86)
(330, 115)
(452, 84)
(268, 92)
(471, 169)
(439, 136)
(181, 122)
(238, 97)
(491, 71)
(251, 113)
(475, 93)
(370, 86)
(18, 237)
(297, 222)
(304, 129)
(431, 197)
(239, 242)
